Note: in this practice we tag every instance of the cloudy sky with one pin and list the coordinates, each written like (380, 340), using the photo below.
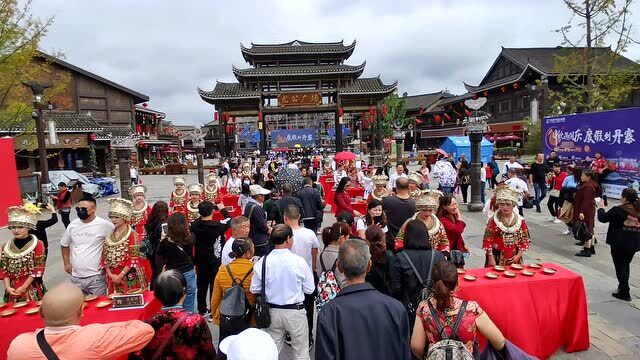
(166, 49)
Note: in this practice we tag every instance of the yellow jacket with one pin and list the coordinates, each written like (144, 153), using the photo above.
(239, 268)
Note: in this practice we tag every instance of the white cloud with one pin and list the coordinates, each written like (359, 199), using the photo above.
(166, 49)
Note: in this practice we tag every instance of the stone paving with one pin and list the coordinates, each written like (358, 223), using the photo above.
(614, 324)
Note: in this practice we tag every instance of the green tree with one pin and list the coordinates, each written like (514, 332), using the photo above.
(396, 116)
(591, 72)
(20, 36)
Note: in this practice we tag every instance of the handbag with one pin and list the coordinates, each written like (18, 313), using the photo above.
(456, 257)
(164, 344)
(554, 193)
(581, 232)
(263, 318)
(528, 202)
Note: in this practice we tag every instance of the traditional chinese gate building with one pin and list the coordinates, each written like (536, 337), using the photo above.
(297, 85)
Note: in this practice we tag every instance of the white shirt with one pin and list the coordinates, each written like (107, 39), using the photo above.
(231, 183)
(287, 279)
(518, 185)
(361, 225)
(85, 241)
(514, 165)
(304, 240)
(133, 173)
(338, 175)
(483, 174)
(226, 250)
(366, 181)
(393, 178)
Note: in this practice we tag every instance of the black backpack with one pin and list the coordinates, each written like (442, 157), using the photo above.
(235, 311)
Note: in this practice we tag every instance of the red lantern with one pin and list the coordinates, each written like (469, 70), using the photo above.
(92, 137)
(447, 116)
(503, 89)
(226, 117)
(340, 112)
(418, 121)
(228, 128)
(384, 110)
(485, 93)
(260, 116)
(467, 112)
(233, 119)
(365, 120)
(437, 118)
(148, 129)
(516, 86)
(138, 129)
(215, 115)
(145, 104)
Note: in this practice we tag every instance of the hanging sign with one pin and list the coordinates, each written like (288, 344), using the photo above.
(300, 99)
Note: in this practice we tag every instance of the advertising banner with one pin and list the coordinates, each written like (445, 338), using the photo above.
(614, 133)
(293, 138)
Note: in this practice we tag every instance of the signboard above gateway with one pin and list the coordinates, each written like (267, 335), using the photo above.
(300, 99)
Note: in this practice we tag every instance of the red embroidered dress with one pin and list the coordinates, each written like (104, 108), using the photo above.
(437, 234)
(506, 240)
(467, 330)
(120, 253)
(178, 203)
(18, 263)
(210, 193)
(192, 211)
(139, 219)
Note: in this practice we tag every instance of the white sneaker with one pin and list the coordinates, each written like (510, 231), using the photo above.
(566, 232)
(558, 221)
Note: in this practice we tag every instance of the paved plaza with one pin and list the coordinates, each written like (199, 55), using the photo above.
(614, 324)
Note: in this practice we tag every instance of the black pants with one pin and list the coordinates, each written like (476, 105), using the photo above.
(311, 225)
(622, 257)
(464, 189)
(521, 211)
(205, 273)
(553, 204)
(310, 306)
(64, 215)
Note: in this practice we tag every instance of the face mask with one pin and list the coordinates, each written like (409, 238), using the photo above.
(377, 219)
(247, 182)
(83, 213)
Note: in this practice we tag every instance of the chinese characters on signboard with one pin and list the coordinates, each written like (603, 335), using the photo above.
(291, 138)
(300, 99)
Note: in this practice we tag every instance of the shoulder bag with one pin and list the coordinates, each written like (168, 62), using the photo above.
(263, 319)
(45, 347)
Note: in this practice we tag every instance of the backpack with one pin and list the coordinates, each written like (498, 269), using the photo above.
(235, 311)
(328, 286)
(427, 285)
(448, 348)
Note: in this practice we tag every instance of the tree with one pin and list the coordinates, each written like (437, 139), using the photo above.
(20, 35)
(590, 71)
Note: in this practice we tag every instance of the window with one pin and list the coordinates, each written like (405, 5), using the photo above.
(504, 106)
(522, 103)
(491, 108)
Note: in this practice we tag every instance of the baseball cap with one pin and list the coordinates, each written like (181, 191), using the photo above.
(251, 344)
(258, 190)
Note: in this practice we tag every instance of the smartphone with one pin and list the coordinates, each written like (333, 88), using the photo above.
(598, 200)
(165, 228)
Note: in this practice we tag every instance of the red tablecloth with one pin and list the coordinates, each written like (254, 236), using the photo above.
(360, 206)
(19, 323)
(539, 313)
(355, 191)
(230, 200)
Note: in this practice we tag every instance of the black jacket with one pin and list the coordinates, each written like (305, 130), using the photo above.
(404, 283)
(258, 230)
(311, 202)
(618, 234)
(41, 227)
(378, 276)
(362, 323)
(206, 234)
(287, 200)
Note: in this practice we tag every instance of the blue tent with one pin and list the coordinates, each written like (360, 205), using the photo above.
(458, 145)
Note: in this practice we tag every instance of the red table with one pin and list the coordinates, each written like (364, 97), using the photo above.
(19, 323)
(539, 313)
(355, 191)
(360, 206)
(230, 200)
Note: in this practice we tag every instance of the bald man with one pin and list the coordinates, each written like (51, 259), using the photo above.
(61, 311)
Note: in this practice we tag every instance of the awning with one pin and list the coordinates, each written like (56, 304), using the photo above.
(440, 133)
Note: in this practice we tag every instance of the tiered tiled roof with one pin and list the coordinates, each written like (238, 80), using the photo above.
(296, 48)
(414, 102)
(307, 70)
(542, 61)
(228, 91)
(66, 122)
(368, 86)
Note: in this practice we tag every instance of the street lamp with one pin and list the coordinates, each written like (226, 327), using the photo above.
(197, 139)
(476, 127)
(38, 90)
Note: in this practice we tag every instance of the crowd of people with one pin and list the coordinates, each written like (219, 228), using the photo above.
(395, 265)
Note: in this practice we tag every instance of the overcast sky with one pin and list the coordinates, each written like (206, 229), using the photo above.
(167, 49)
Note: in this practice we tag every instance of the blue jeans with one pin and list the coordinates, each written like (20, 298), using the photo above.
(482, 185)
(540, 190)
(447, 190)
(189, 303)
